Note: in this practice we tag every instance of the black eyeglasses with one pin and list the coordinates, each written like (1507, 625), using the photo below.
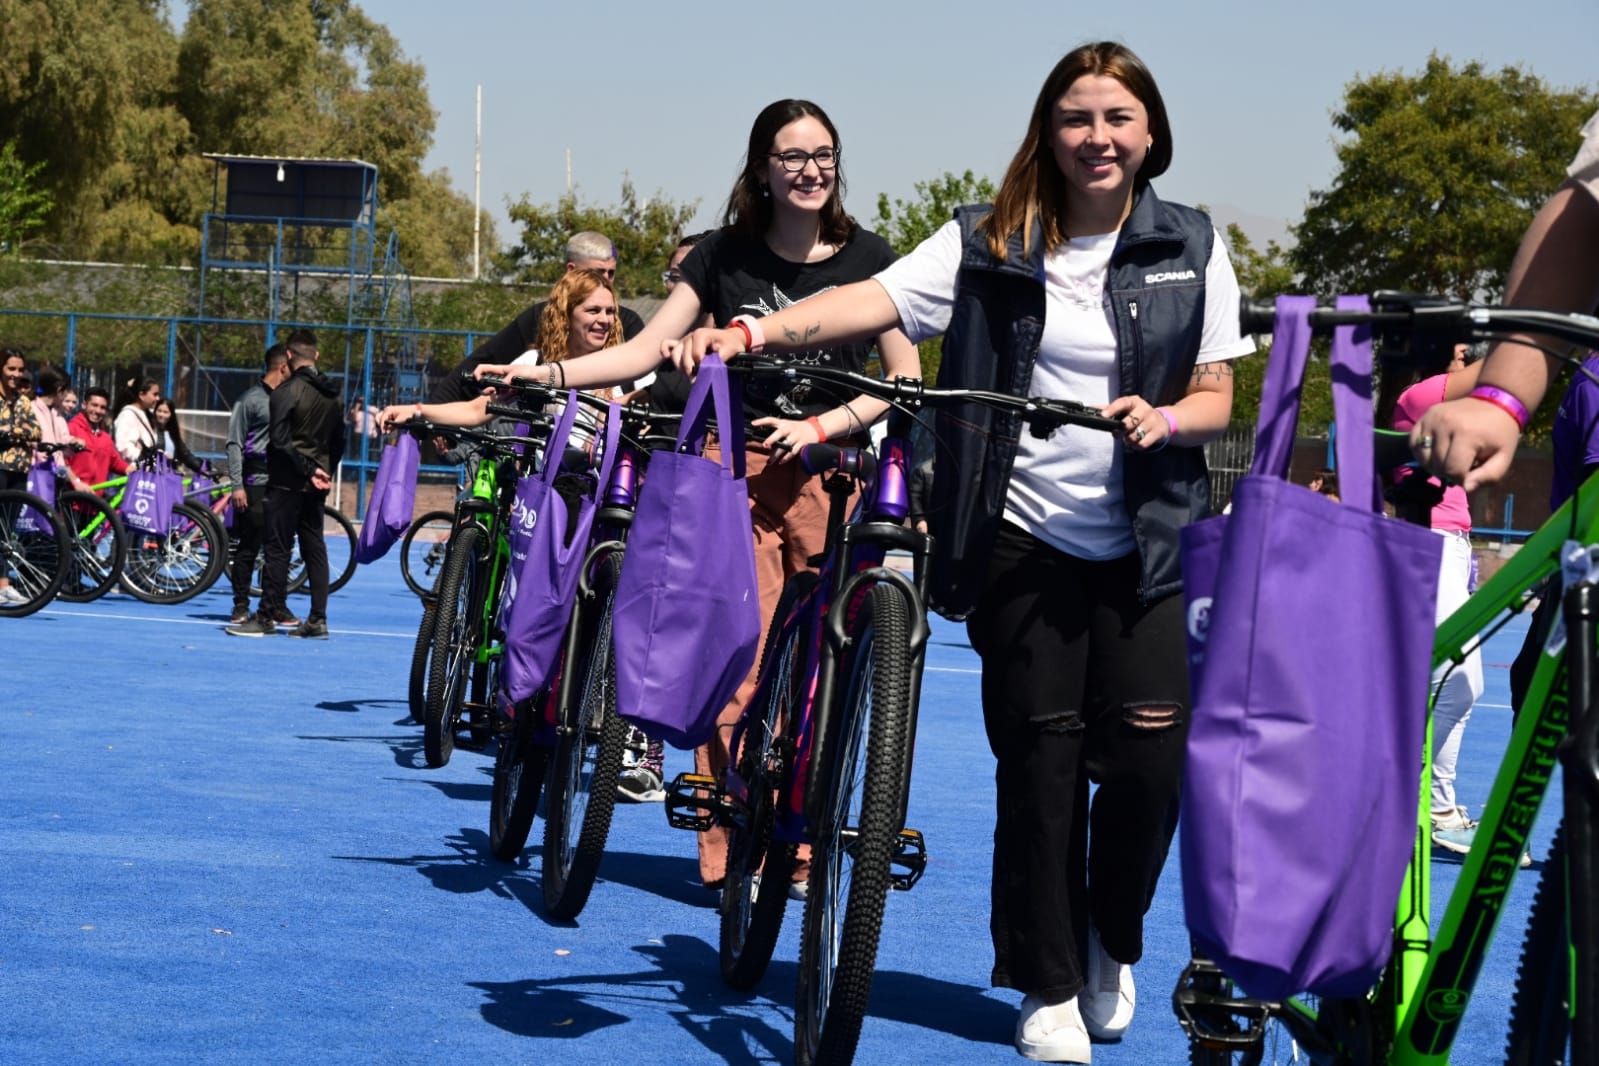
(794, 160)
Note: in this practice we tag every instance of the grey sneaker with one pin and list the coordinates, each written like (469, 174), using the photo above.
(257, 625)
(310, 629)
(1454, 831)
(640, 784)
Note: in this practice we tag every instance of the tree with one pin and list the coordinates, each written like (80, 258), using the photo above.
(23, 205)
(1439, 175)
(644, 235)
(909, 223)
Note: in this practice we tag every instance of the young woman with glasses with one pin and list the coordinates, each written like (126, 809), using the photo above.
(785, 238)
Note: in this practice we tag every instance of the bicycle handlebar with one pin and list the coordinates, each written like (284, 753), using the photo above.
(1426, 328)
(1041, 415)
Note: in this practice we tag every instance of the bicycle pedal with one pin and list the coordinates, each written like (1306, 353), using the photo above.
(694, 801)
(909, 860)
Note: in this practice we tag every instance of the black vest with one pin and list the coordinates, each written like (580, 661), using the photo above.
(1156, 293)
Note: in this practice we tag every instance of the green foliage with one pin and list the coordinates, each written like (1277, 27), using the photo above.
(908, 223)
(644, 234)
(1439, 175)
(23, 205)
(1261, 274)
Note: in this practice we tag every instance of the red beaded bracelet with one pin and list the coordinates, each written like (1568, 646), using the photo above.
(1505, 401)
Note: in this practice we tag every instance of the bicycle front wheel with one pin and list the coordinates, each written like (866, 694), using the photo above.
(580, 788)
(519, 764)
(338, 534)
(99, 546)
(422, 550)
(869, 749)
(180, 564)
(1540, 1013)
(35, 552)
(752, 918)
(455, 643)
(421, 656)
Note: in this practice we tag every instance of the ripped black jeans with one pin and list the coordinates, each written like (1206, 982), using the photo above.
(1080, 683)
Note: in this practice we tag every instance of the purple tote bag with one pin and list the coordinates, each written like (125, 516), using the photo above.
(41, 483)
(149, 497)
(388, 512)
(545, 566)
(688, 613)
(1314, 626)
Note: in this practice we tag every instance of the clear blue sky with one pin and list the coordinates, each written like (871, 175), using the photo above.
(665, 92)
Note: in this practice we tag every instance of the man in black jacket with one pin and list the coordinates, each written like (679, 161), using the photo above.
(306, 442)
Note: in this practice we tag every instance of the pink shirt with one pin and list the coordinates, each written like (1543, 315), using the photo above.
(1454, 513)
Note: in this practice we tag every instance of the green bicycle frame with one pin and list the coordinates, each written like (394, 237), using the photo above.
(1429, 983)
(483, 504)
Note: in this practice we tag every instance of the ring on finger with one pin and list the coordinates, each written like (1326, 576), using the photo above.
(1140, 433)
(1425, 442)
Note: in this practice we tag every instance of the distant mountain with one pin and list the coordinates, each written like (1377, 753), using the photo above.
(1258, 228)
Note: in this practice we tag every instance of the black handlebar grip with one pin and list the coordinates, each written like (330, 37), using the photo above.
(1256, 316)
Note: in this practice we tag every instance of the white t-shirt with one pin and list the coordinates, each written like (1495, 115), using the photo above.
(1065, 490)
(1584, 169)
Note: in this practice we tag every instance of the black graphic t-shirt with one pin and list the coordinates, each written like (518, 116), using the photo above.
(735, 276)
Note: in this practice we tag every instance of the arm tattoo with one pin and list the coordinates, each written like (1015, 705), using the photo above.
(1217, 371)
(797, 338)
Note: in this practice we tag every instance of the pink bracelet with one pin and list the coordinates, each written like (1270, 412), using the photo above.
(1171, 427)
(1505, 401)
(754, 336)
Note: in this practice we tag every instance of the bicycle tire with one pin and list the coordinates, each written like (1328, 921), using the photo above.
(98, 554)
(414, 566)
(421, 657)
(218, 535)
(519, 767)
(455, 640)
(37, 560)
(752, 919)
(849, 884)
(340, 550)
(1540, 1010)
(578, 806)
(179, 565)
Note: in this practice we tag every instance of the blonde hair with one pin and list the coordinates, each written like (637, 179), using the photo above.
(555, 324)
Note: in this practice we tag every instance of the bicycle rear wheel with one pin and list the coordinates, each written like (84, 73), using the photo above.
(421, 656)
(99, 545)
(869, 748)
(455, 642)
(179, 565)
(751, 918)
(422, 550)
(35, 551)
(519, 766)
(338, 533)
(580, 787)
(1540, 1012)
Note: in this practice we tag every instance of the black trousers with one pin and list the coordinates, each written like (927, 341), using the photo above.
(249, 534)
(1081, 683)
(291, 514)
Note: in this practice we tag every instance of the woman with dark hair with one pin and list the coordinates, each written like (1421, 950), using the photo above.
(785, 238)
(134, 431)
(169, 436)
(1078, 283)
(19, 432)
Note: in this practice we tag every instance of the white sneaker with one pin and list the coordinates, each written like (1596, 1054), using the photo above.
(10, 596)
(1047, 1033)
(1109, 997)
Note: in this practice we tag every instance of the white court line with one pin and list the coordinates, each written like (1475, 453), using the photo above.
(210, 625)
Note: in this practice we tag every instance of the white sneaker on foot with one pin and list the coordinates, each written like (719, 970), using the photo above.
(1046, 1033)
(1108, 998)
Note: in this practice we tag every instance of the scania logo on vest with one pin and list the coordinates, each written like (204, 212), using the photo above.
(1169, 275)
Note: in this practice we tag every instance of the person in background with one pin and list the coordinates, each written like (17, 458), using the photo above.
(785, 239)
(133, 429)
(99, 459)
(19, 432)
(1457, 687)
(305, 443)
(249, 428)
(69, 401)
(1077, 282)
(169, 436)
(54, 427)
